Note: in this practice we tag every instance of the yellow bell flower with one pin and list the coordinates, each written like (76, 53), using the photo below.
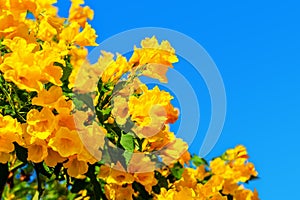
(66, 142)
(41, 124)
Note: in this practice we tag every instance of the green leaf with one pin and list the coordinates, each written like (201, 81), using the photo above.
(177, 170)
(127, 155)
(127, 142)
(197, 161)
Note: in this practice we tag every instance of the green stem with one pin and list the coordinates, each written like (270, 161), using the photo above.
(10, 101)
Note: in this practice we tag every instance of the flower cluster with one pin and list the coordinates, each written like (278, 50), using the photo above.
(95, 127)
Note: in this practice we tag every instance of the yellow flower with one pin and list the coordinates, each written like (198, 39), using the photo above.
(157, 58)
(66, 142)
(19, 66)
(115, 69)
(140, 163)
(72, 35)
(140, 107)
(86, 37)
(76, 167)
(120, 110)
(159, 140)
(117, 192)
(45, 31)
(37, 150)
(80, 14)
(116, 176)
(41, 124)
(4, 157)
(93, 139)
(69, 33)
(165, 194)
(48, 98)
(10, 131)
(230, 186)
(53, 158)
(173, 151)
(238, 152)
(185, 193)
(147, 179)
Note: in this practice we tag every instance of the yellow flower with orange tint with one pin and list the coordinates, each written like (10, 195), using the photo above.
(80, 14)
(116, 175)
(115, 69)
(37, 150)
(53, 158)
(72, 35)
(66, 142)
(19, 66)
(48, 98)
(147, 179)
(10, 131)
(46, 31)
(4, 157)
(117, 192)
(238, 152)
(155, 57)
(76, 167)
(87, 37)
(159, 140)
(165, 194)
(173, 151)
(41, 124)
(140, 107)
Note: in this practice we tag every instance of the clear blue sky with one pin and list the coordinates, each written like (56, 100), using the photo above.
(256, 46)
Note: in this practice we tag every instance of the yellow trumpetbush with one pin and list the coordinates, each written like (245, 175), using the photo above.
(140, 162)
(173, 151)
(66, 142)
(115, 69)
(41, 124)
(118, 192)
(120, 110)
(48, 98)
(75, 167)
(140, 107)
(37, 150)
(80, 14)
(4, 157)
(155, 57)
(10, 131)
(87, 37)
(53, 158)
(165, 194)
(72, 35)
(147, 179)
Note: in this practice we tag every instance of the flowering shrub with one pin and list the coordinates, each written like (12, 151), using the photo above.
(70, 129)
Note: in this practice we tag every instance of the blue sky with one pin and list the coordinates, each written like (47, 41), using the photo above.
(256, 46)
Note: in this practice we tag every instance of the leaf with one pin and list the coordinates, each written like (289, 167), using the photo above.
(127, 142)
(177, 170)
(197, 161)
(127, 155)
